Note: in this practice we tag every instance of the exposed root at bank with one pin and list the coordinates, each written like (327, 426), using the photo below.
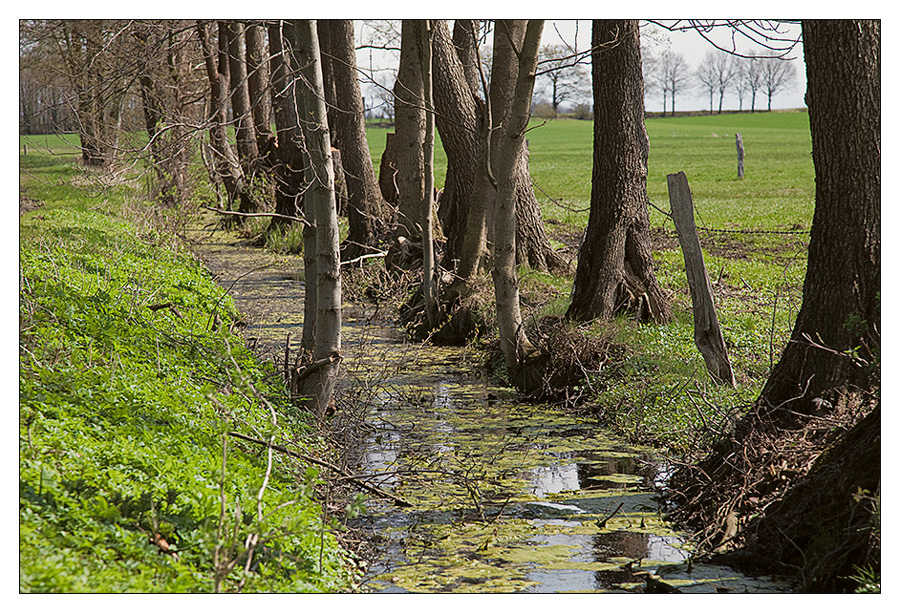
(799, 496)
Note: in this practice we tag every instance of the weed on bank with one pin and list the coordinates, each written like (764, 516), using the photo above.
(129, 381)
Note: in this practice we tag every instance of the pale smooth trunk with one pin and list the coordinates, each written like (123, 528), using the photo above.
(513, 342)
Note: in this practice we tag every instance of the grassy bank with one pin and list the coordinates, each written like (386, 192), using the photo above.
(129, 380)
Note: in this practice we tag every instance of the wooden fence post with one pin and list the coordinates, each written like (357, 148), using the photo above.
(707, 334)
(739, 141)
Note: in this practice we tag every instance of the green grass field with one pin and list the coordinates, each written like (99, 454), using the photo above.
(777, 190)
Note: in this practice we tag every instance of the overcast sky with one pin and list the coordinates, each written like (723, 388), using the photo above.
(688, 43)
(694, 48)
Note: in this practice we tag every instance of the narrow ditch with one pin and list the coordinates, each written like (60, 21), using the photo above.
(506, 496)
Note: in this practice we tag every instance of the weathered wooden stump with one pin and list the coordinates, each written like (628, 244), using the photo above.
(707, 334)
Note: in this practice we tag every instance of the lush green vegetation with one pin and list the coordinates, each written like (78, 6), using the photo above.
(661, 391)
(129, 381)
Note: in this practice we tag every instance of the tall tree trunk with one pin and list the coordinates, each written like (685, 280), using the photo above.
(429, 276)
(615, 267)
(368, 214)
(841, 311)
(318, 385)
(465, 41)
(328, 64)
(532, 243)
(514, 343)
(258, 79)
(225, 164)
(461, 120)
(290, 159)
(410, 118)
(245, 137)
(830, 369)
(460, 113)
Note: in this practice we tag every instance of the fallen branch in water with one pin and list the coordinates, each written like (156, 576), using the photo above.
(302, 456)
(278, 215)
(602, 522)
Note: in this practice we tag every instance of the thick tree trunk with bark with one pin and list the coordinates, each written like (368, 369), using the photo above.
(410, 134)
(291, 180)
(328, 64)
(836, 338)
(289, 158)
(465, 41)
(368, 214)
(458, 119)
(248, 153)
(318, 380)
(615, 267)
(461, 123)
(828, 378)
(533, 246)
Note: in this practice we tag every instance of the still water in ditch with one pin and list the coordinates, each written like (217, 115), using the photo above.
(511, 497)
(506, 496)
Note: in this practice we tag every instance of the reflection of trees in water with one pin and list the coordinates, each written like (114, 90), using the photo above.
(604, 466)
(553, 479)
(623, 544)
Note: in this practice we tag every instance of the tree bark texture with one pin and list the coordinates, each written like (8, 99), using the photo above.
(258, 80)
(829, 373)
(841, 311)
(707, 333)
(387, 171)
(319, 386)
(532, 243)
(325, 45)
(457, 122)
(368, 214)
(465, 41)
(410, 132)
(290, 159)
(514, 343)
(468, 193)
(615, 266)
(245, 137)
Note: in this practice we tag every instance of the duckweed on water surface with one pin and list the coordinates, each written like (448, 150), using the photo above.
(508, 497)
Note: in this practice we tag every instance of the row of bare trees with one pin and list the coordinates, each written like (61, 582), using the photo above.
(197, 80)
(720, 73)
(253, 75)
